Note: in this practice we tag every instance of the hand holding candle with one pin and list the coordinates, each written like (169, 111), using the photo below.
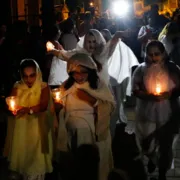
(56, 93)
(12, 103)
(49, 46)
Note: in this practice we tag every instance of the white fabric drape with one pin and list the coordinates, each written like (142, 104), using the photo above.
(58, 72)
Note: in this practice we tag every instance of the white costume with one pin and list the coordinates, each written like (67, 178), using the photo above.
(153, 112)
(117, 61)
(154, 115)
(78, 124)
(58, 73)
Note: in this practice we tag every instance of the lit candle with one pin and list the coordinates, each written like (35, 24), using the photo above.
(49, 46)
(56, 94)
(12, 103)
(91, 4)
(158, 89)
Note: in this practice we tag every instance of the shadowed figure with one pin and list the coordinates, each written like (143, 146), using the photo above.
(126, 154)
(87, 162)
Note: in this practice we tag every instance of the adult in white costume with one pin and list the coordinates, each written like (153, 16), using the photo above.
(83, 96)
(120, 76)
(157, 88)
(114, 60)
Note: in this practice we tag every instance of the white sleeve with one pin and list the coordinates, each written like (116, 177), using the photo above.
(141, 31)
(65, 55)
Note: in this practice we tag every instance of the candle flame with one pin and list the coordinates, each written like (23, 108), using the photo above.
(49, 46)
(57, 96)
(158, 89)
(12, 105)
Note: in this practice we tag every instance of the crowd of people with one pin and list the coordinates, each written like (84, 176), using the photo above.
(95, 63)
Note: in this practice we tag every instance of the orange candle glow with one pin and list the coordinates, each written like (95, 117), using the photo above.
(12, 103)
(56, 94)
(49, 46)
(158, 89)
(91, 3)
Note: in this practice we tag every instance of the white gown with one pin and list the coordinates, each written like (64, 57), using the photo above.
(116, 70)
(58, 72)
(80, 124)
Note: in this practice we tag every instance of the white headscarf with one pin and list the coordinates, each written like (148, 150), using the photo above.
(80, 59)
(100, 41)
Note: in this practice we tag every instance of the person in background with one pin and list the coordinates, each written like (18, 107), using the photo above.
(53, 35)
(147, 33)
(86, 25)
(68, 38)
(157, 88)
(56, 68)
(161, 20)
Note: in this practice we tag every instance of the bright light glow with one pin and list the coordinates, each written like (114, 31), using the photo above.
(91, 4)
(120, 7)
(158, 89)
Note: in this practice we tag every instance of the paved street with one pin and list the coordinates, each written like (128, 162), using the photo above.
(173, 174)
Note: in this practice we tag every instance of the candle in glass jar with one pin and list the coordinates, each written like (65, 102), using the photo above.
(49, 46)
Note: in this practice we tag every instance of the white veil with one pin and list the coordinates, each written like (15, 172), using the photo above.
(118, 65)
(58, 72)
(117, 62)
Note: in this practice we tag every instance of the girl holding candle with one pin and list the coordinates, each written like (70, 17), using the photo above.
(87, 107)
(29, 145)
(156, 84)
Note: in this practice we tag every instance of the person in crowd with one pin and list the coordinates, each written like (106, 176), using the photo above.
(120, 88)
(126, 154)
(161, 20)
(175, 53)
(68, 38)
(29, 143)
(111, 60)
(55, 70)
(147, 33)
(157, 87)
(87, 107)
(86, 25)
(171, 33)
(87, 164)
